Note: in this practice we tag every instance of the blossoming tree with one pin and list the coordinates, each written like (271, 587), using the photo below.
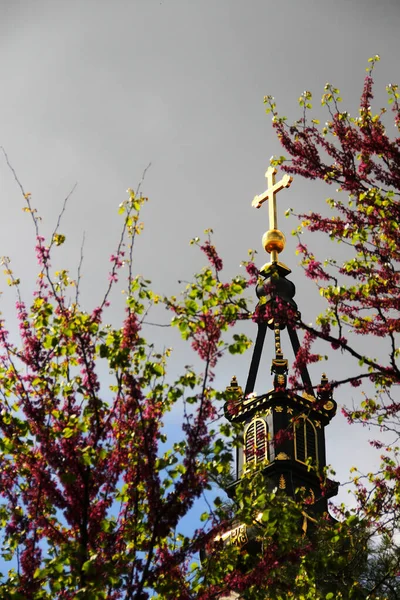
(93, 496)
(362, 292)
(94, 499)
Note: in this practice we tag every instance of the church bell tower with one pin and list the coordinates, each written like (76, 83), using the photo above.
(283, 432)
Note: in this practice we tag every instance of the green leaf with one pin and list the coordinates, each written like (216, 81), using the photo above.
(157, 369)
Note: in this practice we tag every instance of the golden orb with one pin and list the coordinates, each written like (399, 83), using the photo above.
(273, 241)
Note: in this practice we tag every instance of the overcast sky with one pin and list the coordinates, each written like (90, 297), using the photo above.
(93, 91)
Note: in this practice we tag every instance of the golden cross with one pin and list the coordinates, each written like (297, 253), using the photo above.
(269, 194)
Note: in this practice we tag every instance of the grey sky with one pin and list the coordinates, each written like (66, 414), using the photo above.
(92, 91)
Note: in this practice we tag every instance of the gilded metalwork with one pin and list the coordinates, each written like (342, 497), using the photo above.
(270, 193)
(280, 381)
(329, 405)
(234, 387)
(279, 364)
(273, 239)
(324, 380)
(282, 456)
(238, 536)
(325, 394)
(277, 335)
(282, 483)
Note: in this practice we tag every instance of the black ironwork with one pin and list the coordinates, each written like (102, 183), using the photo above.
(255, 360)
(276, 287)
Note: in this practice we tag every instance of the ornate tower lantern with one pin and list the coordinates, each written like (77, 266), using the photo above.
(283, 432)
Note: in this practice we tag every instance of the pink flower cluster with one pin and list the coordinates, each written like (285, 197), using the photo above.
(212, 255)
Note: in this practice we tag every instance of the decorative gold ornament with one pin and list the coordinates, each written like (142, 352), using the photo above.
(236, 536)
(278, 408)
(282, 483)
(235, 387)
(329, 405)
(279, 363)
(324, 379)
(282, 456)
(273, 240)
(269, 194)
(289, 410)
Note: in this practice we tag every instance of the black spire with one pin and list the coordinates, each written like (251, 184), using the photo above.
(283, 431)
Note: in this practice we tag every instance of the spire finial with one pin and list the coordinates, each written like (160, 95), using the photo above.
(279, 364)
(235, 387)
(273, 239)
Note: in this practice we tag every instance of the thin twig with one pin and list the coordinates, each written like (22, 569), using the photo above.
(61, 214)
(79, 274)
